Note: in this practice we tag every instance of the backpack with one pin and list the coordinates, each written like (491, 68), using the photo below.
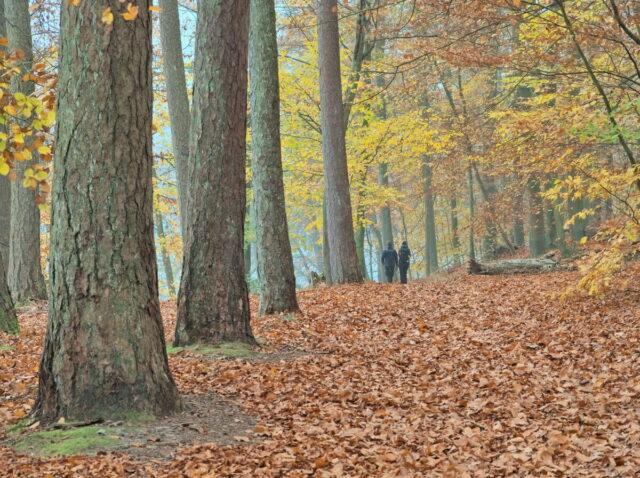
(404, 256)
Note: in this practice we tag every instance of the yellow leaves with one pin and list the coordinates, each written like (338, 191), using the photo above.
(153, 8)
(75, 3)
(4, 169)
(131, 13)
(4, 41)
(107, 16)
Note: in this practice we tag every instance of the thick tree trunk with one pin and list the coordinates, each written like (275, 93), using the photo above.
(5, 184)
(104, 352)
(512, 266)
(8, 319)
(213, 303)
(25, 273)
(276, 278)
(177, 97)
(431, 246)
(166, 257)
(342, 247)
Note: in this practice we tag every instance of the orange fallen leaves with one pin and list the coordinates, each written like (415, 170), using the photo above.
(475, 376)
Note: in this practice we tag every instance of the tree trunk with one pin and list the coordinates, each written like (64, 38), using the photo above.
(536, 218)
(342, 247)
(276, 278)
(512, 266)
(166, 257)
(472, 213)
(24, 274)
(431, 246)
(8, 319)
(5, 184)
(177, 97)
(104, 352)
(326, 254)
(213, 303)
(518, 223)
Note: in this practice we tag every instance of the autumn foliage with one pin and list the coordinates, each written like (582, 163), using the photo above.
(466, 376)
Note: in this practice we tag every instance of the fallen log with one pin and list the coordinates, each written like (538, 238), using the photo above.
(514, 266)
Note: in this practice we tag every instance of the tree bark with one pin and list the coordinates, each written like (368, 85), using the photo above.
(276, 278)
(104, 352)
(431, 246)
(177, 97)
(536, 218)
(25, 277)
(472, 214)
(213, 303)
(512, 266)
(5, 184)
(8, 319)
(342, 247)
(164, 254)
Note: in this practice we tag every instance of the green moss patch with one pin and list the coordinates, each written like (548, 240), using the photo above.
(226, 350)
(5, 348)
(83, 440)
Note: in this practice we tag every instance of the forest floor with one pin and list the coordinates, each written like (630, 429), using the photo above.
(461, 376)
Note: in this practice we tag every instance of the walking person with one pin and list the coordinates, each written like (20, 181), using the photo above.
(404, 259)
(389, 261)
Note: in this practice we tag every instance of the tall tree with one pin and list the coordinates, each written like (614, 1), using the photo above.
(104, 351)
(5, 185)
(25, 273)
(276, 279)
(213, 302)
(8, 319)
(342, 247)
(177, 97)
(536, 218)
(431, 246)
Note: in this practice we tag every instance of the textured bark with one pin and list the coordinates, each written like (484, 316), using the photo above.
(431, 246)
(472, 214)
(104, 352)
(177, 97)
(342, 247)
(24, 273)
(5, 184)
(536, 219)
(8, 319)
(455, 236)
(213, 303)
(164, 254)
(512, 266)
(276, 279)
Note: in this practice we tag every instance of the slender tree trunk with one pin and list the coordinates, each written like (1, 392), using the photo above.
(248, 252)
(326, 254)
(276, 279)
(213, 303)
(385, 212)
(25, 274)
(360, 237)
(472, 213)
(5, 184)
(536, 219)
(431, 246)
(518, 223)
(104, 352)
(342, 247)
(380, 241)
(164, 253)
(8, 319)
(177, 96)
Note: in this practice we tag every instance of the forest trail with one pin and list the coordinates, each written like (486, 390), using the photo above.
(467, 376)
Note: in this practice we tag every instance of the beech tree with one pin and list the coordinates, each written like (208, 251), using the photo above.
(24, 273)
(8, 319)
(213, 302)
(276, 278)
(342, 247)
(5, 185)
(177, 97)
(104, 351)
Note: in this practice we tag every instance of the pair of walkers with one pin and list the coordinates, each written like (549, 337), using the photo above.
(392, 259)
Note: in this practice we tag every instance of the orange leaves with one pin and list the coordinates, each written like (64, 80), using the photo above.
(107, 16)
(472, 376)
(131, 13)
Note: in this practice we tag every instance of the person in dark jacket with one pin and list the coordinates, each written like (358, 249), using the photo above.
(389, 261)
(404, 259)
